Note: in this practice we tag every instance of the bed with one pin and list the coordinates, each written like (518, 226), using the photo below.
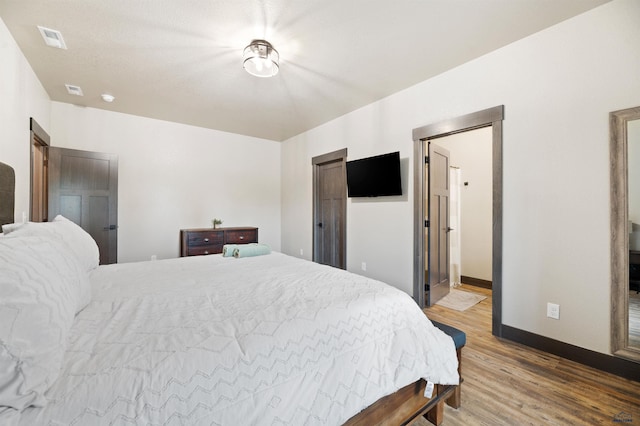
(267, 339)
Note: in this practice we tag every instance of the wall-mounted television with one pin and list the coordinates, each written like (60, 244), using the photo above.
(374, 176)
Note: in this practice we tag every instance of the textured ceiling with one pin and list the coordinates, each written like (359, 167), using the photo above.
(182, 60)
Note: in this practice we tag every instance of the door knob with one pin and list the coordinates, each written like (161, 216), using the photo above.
(320, 225)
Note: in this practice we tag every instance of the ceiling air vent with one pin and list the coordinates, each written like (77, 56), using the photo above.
(74, 90)
(52, 38)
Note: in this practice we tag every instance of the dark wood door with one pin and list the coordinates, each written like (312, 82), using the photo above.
(438, 230)
(83, 187)
(329, 217)
(331, 206)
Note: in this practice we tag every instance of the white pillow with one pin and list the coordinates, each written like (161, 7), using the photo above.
(39, 283)
(79, 241)
(75, 241)
(82, 244)
(10, 227)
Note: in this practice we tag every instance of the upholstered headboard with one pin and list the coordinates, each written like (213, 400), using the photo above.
(7, 193)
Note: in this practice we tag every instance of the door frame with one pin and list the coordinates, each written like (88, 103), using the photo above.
(488, 117)
(330, 157)
(38, 139)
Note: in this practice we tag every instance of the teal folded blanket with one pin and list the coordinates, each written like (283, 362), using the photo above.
(227, 249)
(253, 249)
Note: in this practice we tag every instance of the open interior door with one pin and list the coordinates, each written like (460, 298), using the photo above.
(437, 222)
(83, 187)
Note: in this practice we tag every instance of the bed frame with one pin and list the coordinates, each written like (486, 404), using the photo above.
(399, 408)
(406, 405)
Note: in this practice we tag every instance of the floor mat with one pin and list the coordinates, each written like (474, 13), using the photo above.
(460, 300)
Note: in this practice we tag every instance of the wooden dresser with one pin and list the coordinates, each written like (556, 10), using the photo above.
(195, 242)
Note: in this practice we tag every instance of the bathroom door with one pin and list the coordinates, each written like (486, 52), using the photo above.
(437, 208)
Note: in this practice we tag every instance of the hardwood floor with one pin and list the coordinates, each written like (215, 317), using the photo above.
(506, 383)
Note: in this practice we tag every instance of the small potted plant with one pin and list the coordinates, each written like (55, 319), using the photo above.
(216, 222)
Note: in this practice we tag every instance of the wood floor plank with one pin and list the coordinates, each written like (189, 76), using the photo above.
(507, 383)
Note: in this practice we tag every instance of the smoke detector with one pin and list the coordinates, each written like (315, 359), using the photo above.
(52, 38)
(74, 90)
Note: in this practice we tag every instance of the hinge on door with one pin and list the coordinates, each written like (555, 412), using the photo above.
(426, 223)
(426, 160)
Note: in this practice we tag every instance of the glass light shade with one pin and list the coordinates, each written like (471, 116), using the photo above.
(261, 59)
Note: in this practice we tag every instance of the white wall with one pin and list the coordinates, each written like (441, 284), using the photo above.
(173, 176)
(371, 224)
(21, 97)
(471, 152)
(558, 87)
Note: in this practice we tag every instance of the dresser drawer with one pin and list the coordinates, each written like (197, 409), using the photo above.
(200, 250)
(204, 238)
(241, 236)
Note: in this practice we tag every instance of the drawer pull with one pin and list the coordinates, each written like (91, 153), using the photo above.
(241, 237)
(206, 240)
(206, 252)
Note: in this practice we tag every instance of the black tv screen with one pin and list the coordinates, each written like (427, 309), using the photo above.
(374, 176)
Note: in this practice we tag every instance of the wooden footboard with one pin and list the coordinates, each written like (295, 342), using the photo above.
(405, 405)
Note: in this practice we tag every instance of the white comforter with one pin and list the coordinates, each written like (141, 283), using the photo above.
(269, 340)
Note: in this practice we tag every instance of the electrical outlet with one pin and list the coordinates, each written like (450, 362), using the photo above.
(553, 310)
(154, 257)
(364, 266)
(301, 252)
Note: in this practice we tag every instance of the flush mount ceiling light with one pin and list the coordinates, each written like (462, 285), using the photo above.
(261, 59)
(107, 97)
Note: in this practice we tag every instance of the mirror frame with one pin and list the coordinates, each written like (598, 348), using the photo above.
(620, 234)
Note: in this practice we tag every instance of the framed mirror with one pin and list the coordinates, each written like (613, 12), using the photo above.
(624, 135)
